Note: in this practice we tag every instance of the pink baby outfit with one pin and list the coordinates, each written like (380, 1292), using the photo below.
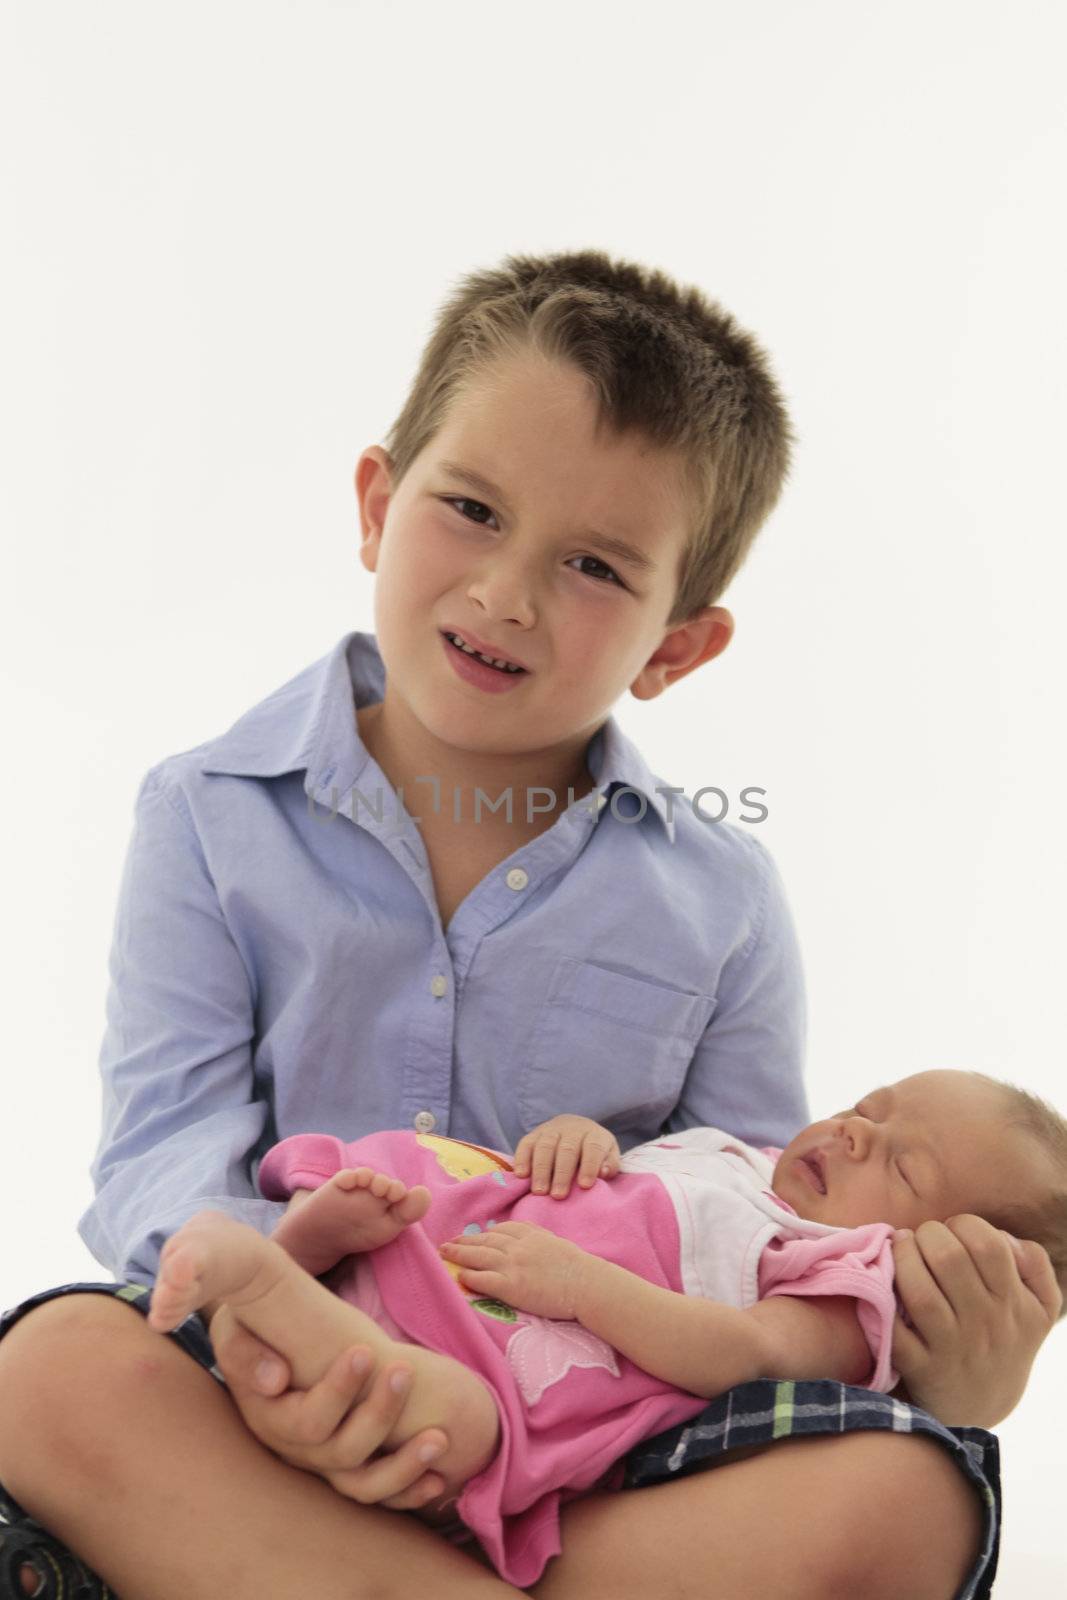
(693, 1213)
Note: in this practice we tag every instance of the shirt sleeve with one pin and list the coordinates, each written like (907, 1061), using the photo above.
(853, 1261)
(180, 1115)
(747, 1072)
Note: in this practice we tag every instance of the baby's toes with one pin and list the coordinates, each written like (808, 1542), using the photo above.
(414, 1204)
(352, 1177)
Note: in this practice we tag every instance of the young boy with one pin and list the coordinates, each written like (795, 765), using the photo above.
(318, 927)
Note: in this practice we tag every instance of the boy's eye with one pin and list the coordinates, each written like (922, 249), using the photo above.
(904, 1175)
(603, 564)
(462, 500)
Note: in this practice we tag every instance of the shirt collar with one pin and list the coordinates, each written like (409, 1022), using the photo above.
(309, 725)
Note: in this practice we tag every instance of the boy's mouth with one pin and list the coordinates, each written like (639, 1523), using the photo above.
(498, 663)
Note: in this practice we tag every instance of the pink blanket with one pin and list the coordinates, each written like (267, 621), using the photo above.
(570, 1405)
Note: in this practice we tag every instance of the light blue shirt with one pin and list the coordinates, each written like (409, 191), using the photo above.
(278, 966)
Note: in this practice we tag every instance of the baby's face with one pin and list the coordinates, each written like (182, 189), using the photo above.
(927, 1148)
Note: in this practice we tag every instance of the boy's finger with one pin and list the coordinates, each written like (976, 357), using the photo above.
(422, 1491)
(300, 1424)
(1039, 1275)
(401, 1475)
(365, 1430)
(343, 1418)
(909, 1353)
(245, 1361)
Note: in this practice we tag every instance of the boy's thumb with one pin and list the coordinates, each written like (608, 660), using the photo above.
(269, 1375)
(243, 1357)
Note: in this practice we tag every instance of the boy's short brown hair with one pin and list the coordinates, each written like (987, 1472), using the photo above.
(663, 360)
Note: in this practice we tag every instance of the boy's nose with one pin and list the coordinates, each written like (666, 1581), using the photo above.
(503, 591)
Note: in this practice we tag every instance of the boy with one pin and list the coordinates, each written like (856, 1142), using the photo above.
(278, 967)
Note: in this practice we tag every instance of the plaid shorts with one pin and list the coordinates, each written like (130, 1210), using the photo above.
(753, 1413)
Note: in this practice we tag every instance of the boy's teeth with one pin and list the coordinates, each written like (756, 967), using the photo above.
(467, 649)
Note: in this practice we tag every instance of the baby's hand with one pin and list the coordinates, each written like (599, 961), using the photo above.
(529, 1267)
(554, 1149)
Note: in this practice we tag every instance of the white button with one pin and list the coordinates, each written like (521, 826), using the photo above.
(424, 1121)
(517, 879)
(438, 985)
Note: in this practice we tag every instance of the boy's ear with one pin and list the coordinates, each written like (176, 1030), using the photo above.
(683, 649)
(374, 488)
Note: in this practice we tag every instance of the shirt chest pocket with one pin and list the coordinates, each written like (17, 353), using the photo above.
(609, 1046)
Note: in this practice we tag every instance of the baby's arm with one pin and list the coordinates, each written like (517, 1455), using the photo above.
(700, 1345)
(706, 1347)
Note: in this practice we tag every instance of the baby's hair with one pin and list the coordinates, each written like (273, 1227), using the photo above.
(662, 359)
(1043, 1217)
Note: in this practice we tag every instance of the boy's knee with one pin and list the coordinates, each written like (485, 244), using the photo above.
(63, 1363)
(905, 1521)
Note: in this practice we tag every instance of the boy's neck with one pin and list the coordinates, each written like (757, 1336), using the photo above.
(405, 750)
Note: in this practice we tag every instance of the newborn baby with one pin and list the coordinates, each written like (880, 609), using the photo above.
(547, 1335)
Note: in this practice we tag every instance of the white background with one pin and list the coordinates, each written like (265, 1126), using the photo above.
(228, 228)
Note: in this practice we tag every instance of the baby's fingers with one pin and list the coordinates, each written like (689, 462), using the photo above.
(600, 1156)
(542, 1160)
(523, 1157)
(534, 1156)
(568, 1154)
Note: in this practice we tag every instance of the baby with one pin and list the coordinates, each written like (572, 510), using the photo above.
(585, 1323)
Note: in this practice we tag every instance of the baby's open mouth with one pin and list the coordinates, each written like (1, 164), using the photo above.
(812, 1164)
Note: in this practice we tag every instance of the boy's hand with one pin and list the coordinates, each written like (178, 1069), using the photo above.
(981, 1305)
(555, 1149)
(529, 1267)
(336, 1428)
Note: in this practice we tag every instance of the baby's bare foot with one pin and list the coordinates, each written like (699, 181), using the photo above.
(357, 1209)
(212, 1257)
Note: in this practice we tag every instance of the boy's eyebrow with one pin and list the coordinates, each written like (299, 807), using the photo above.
(620, 548)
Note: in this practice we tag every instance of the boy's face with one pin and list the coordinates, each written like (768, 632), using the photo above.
(925, 1149)
(518, 566)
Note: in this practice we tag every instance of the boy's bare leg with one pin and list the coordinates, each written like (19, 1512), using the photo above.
(214, 1259)
(138, 1460)
(874, 1514)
